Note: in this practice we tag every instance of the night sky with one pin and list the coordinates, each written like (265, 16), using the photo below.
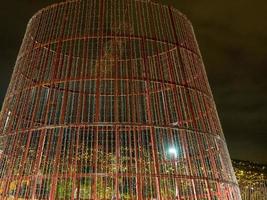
(232, 35)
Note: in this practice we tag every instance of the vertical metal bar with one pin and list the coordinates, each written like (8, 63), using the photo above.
(98, 81)
(152, 133)
(62, 110)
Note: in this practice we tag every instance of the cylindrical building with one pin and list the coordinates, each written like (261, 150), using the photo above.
(109, 99)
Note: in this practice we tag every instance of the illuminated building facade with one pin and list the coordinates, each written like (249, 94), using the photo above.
(109, 99)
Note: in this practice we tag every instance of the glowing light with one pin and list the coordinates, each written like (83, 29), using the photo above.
(173, 151)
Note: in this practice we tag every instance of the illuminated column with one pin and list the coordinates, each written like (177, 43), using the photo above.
(109, 99)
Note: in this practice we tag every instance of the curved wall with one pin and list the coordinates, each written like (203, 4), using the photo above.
(109, 99)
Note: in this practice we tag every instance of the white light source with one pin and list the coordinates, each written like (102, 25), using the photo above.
(173, 151)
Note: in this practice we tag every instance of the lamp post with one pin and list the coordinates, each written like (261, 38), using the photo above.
(173, 153)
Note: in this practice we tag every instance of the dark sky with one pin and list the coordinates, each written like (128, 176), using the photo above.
(232, 35)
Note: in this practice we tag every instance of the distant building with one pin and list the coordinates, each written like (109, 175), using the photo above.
(252, 180)
(109, 99)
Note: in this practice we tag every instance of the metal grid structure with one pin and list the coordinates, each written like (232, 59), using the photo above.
(109, 99)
